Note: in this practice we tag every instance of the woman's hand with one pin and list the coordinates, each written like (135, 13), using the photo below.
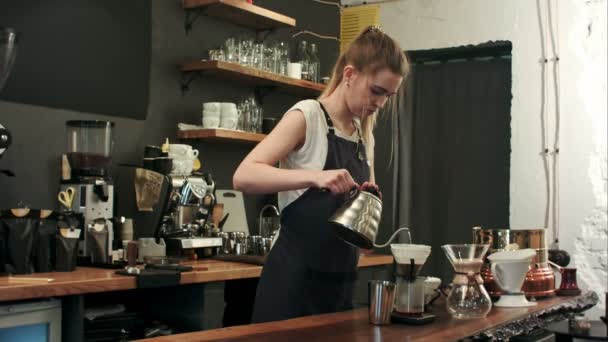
(336, 181)
(371, 186)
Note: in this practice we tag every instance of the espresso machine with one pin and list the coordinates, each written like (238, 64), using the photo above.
(187, 225)
(87, 188)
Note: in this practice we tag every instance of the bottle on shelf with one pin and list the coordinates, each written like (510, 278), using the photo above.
(303, 58)
(283, 57)
(314, 65)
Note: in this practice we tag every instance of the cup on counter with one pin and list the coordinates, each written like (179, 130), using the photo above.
(126, 231)
(431, 290)
(294, 70)
(225, 243)
(254, 244)
(381, 295)
(265, 245)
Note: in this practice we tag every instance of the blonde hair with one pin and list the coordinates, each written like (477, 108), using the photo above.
(371, 51)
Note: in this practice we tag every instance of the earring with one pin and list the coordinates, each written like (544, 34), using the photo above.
(348, 83)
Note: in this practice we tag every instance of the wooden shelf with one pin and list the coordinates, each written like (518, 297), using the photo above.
(221, 135)
(250, 76)
(241, 13)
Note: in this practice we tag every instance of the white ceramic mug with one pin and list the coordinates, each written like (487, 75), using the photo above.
(212, 106)
(229, 122)
(228, 108)
(182, 151)
(294, 70)
(211, 113)
(431, 285)
(182, 167)
(211, 122)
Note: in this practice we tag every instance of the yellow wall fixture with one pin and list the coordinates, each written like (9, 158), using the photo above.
(354, 19)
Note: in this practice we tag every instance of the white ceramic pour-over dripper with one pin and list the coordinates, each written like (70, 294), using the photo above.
(509, 269)
(404, 253)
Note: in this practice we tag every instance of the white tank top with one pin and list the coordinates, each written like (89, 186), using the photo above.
(312, 155)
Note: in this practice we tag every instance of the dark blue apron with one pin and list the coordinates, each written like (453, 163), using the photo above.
(309, 270)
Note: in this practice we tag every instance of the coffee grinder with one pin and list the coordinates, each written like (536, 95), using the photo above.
(8, 50)
(85, 174)
(409, 303)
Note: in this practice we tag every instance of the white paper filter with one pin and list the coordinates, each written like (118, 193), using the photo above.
(404, 252)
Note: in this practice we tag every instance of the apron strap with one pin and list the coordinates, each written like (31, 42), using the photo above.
(360, 145)
(331, 129)
(330, 125)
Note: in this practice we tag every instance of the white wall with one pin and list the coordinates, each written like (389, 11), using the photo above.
(581, 37)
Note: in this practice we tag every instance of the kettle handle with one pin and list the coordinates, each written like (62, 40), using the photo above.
(393, 237)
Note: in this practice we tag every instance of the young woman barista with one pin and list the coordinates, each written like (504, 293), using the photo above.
(321, 144)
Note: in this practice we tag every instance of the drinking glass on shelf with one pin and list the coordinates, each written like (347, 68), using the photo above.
(243, 109)
(272, 58)
(245, 55)
(216, 55)
(231, 50)
(258, 56)
(253, 127)
(283, 58)
(250, 119)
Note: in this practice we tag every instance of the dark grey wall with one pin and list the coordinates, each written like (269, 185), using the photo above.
(71, 52)
(39, 131)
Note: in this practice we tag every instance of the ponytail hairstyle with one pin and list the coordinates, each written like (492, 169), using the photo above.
(371, 51)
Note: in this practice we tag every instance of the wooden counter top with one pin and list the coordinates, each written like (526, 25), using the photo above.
(91, 280)
(354, 326)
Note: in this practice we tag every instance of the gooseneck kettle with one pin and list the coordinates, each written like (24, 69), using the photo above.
(358, 219)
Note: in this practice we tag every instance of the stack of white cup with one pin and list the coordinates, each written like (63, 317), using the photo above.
(211, 114)
(220, 115)
(230, 115)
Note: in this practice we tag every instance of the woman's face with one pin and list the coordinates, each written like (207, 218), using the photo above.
(368, 92)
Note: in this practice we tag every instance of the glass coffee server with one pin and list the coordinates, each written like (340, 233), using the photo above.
(468, 298)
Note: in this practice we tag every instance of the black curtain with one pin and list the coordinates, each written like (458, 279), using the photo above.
(452, 167)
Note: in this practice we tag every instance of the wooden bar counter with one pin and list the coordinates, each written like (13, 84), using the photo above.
(93, 280)
(354, 326)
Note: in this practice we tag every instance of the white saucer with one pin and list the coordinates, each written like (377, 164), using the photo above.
(513, 300)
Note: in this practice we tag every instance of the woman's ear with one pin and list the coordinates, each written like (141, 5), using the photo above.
(349, 73)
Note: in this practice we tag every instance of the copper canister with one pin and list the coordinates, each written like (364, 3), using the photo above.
(540, 280)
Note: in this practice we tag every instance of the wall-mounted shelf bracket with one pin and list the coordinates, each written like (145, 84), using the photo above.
(191, 16)
(266, 33)
(260, 92)
(187, 78)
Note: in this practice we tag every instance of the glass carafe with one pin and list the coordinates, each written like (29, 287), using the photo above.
(468, 298)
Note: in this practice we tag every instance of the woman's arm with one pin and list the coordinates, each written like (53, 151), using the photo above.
(257, 173)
